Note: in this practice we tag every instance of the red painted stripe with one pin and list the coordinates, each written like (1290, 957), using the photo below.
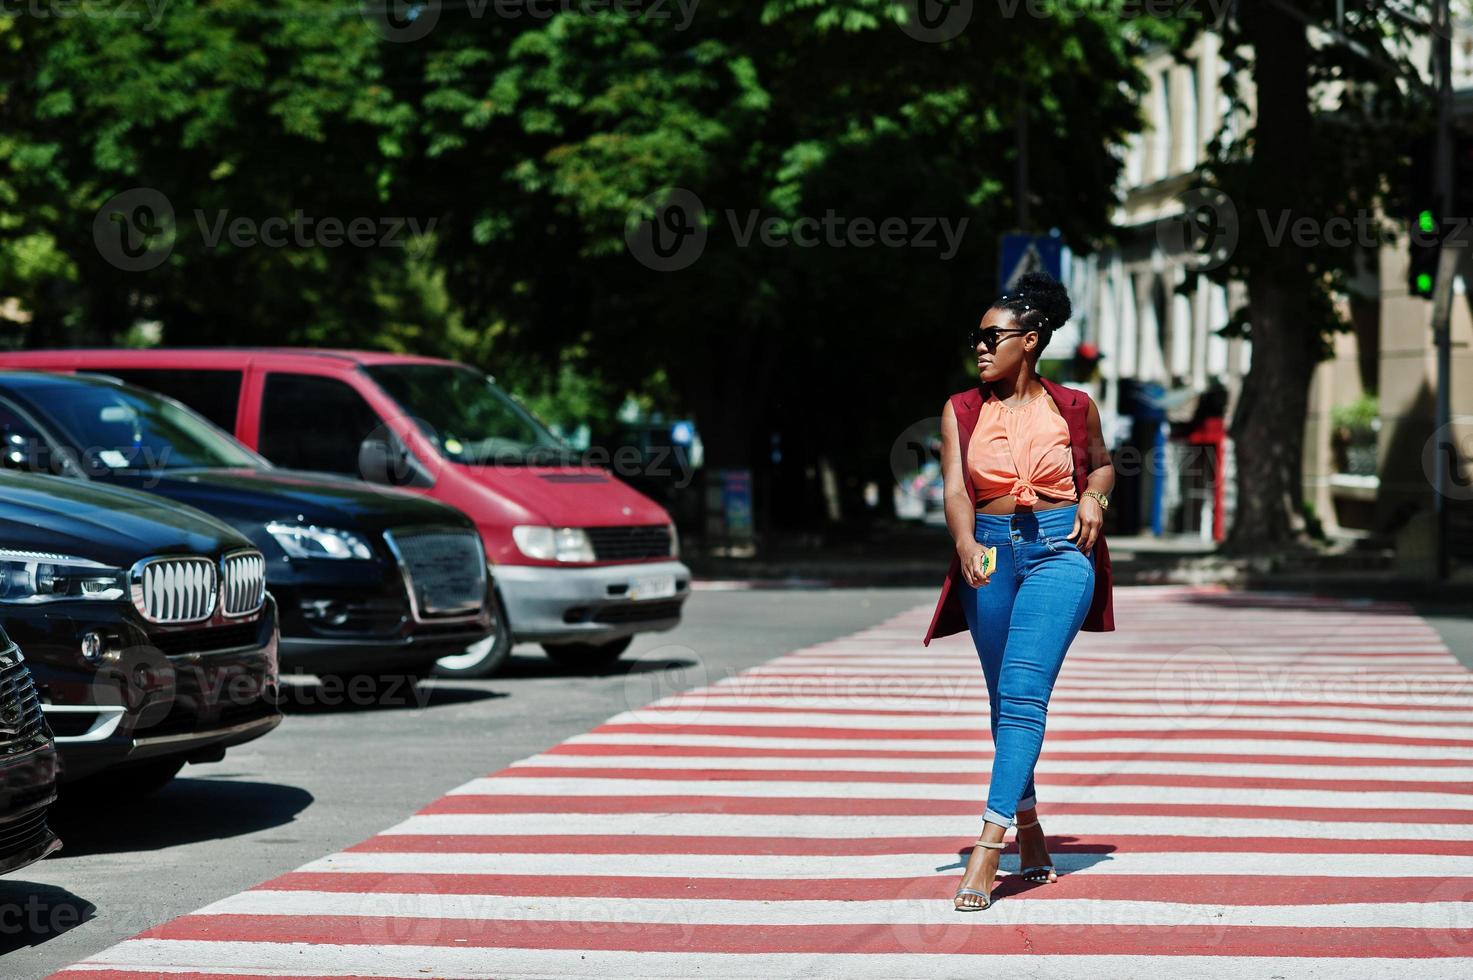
(826, 806)
(71, 974)
(970, 936)
(801, 731)
(859, 846)
(1060, 704)
(1206, 889)
(722, 751)
(979, 712)
(978, 777)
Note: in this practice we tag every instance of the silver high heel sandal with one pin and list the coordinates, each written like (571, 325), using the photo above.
(1044, 874)
(985, 896)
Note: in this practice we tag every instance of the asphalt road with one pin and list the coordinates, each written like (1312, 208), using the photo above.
(333, 773)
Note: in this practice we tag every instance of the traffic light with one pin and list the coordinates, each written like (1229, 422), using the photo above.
(1426, 243)
(1423, 239)
(1429, 224)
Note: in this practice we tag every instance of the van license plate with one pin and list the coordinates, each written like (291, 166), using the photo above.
(652, 587)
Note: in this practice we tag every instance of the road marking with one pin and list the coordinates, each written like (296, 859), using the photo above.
(1234, 785)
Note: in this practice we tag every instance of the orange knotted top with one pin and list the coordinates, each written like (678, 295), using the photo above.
(1021, 450)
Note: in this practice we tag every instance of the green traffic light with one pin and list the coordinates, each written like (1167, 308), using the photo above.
(1426, 223)
(1424, 283)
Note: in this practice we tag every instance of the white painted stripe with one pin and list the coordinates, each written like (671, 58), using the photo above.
(1078, 657)
(1046, 766)
(792, 789)
(463, 963)
(1059, 706)
(1370, 864)
(962, 721)
(1084, 913)
(865, 825)
(905, 670)
(1130, 746)
(1339, 694)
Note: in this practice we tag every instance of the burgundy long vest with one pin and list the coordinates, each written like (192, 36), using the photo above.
(1074, 406)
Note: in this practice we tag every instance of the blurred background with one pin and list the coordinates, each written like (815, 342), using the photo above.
(746, 239)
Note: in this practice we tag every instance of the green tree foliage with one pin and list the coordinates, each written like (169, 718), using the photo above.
(530, 142)
(1332, 120)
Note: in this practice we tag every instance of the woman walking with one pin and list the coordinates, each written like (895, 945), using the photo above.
(1027, 480)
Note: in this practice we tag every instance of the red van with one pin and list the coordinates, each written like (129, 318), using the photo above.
(581, 562)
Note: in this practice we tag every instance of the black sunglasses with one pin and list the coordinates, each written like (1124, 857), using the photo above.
(989, 336)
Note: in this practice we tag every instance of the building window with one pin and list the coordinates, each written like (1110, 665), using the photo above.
(1191, 138)
(1161, 158)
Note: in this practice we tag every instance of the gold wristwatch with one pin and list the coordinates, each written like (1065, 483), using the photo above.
(1104, 500)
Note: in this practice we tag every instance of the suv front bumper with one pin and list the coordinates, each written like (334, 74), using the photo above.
(188, 692)
(591, 604)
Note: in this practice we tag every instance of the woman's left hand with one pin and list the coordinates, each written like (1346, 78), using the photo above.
(1089, 517)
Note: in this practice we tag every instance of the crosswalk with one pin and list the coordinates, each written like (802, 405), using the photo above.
(1233, 784)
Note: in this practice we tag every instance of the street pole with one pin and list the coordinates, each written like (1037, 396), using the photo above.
(1448, 263)
(1021, 135)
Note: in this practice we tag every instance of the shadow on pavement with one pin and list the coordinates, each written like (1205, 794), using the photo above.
(32, 913)
(305, 696)
(536, 665)
(185, 811)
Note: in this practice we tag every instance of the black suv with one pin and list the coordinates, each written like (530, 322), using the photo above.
(146, 625)
(370, 581)
(27, 766)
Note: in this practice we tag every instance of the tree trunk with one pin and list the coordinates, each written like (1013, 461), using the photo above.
(1268, 423)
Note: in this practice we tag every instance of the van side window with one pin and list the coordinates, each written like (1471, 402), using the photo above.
(310, 422)
(215, 394)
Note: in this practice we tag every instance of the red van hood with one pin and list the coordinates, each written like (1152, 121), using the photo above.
(565, 496)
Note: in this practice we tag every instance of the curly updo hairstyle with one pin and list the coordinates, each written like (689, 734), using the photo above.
(1039, 302)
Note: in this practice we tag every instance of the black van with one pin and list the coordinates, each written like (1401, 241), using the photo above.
(27, 766)
(371, 582)
(146, 625)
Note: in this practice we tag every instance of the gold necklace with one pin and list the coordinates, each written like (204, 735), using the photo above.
(1014, 408)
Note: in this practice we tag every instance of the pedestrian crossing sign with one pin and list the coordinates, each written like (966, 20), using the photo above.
(1020, 254)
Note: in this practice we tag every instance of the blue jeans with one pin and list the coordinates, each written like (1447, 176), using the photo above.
(1022, 622)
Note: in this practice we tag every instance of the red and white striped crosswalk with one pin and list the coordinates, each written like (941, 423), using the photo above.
(1233, 784)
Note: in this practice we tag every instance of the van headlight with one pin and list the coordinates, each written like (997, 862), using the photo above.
(553, 543)
(311, 541)
(36, 576)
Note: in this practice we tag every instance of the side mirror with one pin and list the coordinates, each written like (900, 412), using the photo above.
(388, 461)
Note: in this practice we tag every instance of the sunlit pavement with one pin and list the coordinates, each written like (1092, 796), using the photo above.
(1235, 785)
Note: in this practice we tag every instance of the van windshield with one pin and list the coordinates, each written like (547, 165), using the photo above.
(468, 418)
(128, 429)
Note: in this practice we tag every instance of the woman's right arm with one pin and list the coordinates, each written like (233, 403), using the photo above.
(961, 514)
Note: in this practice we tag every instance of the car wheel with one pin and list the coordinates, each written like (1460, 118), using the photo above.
(484, 658)
(135, 779)
(598, 656)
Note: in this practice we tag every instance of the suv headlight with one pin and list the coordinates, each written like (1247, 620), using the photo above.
(311, 541)
(553, 543)
(36, 576)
